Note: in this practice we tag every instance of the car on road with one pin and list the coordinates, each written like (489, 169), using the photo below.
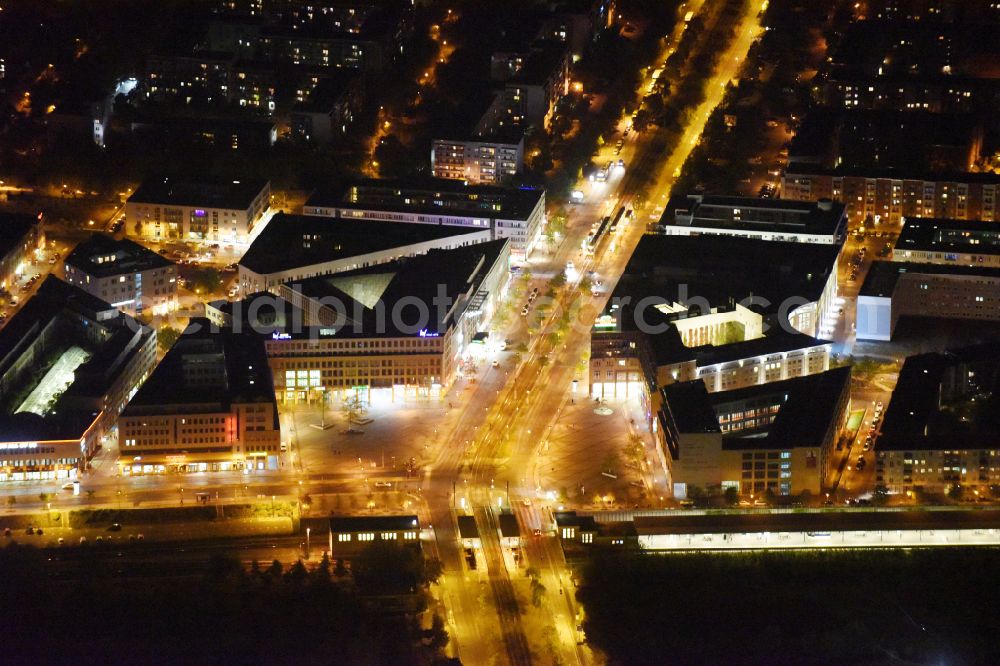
(383, 484)
(495, 363)
(536, 533)
(67, 486)
(524, 311)
(115, 527)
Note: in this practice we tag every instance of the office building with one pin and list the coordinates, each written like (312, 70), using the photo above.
(20, 237)
(214, 212)
(297, 247)
(940, 429)
(517, 214)
(764, 219)
(771, 439)
(894, 289)
(208, 406)
(69, 363)
(393, 330)
(123, 273)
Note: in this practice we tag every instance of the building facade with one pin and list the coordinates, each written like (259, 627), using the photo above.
(125, 274)
(515, 214)
(166, 209)
(478, 161)
(208, 406)
(889, 198)
(20, 237)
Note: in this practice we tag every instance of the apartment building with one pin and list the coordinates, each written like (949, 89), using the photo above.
(939, 430)
(894, 289)
(949, 242)
(874, 196)
(123, 273)
(214, 212)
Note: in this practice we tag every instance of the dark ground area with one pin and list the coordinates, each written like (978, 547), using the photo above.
(850, 607)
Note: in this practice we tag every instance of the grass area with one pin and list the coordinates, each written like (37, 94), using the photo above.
(876, 606)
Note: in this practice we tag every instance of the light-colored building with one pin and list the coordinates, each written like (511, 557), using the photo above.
(94, 359)
(517, 214)
(212, 212)
(940, 430)
(889, 197)
(764, 219)
(297, 247)
(123, 273)
(895, 289)
(481, 160)
(771, 439)
(208, 406)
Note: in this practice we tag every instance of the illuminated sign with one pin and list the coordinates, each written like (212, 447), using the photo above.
(281, 336)
(198, 212)
(424, 333)
(327, 331)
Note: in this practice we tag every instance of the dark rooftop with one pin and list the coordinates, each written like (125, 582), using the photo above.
(820, 218)
(945, 400)
(237, 194)
(883, 275)
(816, 521)
(437, 196)
(902, 173)
(353, 524)
(453, 273)
(690, 406)
(90, 256)
(213, 368)
(282, 245)
(942, 235)
(724, 270)
(467, 528)
(78, 315)
(807, 406)
(540, 64)
(13, 228)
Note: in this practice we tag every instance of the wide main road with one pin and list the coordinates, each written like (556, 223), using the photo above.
(496, 447)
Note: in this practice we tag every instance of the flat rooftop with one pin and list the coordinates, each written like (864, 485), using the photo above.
(724, 270)
(816, 521)
(352, 524)
(884, 275)
(777, 341)
(80, 370)
(13, 228)
(943, 235)
(424, 278)
(946, 400)
(293, 241)
(207, 370)
(807, 405)
(236, 194)
(102, 256)
(328, 91)
(435, 196)
(818, 218)
(903, 174)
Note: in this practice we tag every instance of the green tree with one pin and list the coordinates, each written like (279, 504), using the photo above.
(732, 496)
(166, 337)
